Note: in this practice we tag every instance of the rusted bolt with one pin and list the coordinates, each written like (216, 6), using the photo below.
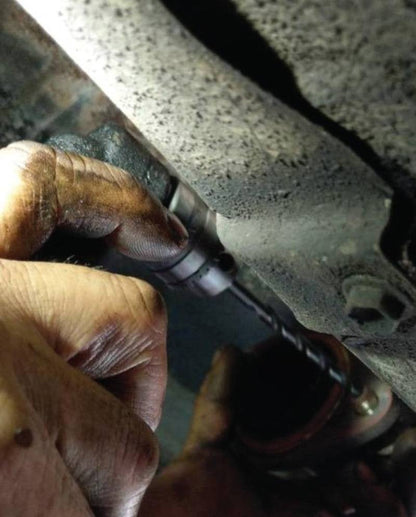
(373, 304)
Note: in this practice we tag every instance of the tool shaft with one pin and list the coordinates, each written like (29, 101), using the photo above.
(304, 346)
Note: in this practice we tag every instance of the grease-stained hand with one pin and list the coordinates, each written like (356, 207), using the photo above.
(208, 480)
(82, 352)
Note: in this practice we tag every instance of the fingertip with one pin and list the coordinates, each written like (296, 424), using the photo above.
(154, 304)
(225, 354)
(219, 383)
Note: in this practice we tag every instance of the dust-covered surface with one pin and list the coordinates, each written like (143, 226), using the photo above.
(355, 61)
(296, 204)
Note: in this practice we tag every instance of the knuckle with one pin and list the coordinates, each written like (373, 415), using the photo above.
(12, 168)
(27, 191)
(29, 161)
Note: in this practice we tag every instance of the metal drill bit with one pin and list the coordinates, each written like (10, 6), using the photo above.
(313, 352)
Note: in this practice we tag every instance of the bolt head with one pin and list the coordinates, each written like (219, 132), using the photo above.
(373, 304)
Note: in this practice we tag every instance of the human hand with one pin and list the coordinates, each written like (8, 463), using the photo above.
(70, 446)
(209, 480)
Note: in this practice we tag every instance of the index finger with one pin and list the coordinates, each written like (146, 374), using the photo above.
(42, 189)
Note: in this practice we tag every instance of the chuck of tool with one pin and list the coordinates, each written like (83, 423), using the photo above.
(204, 267)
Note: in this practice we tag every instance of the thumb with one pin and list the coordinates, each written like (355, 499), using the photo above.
(214, 406)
